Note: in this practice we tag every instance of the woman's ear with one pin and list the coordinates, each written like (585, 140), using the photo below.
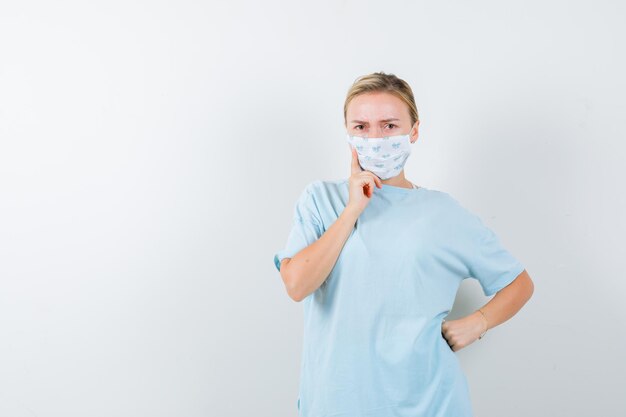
(415, 131)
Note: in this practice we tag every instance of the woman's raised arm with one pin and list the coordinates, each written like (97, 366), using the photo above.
(305, 272)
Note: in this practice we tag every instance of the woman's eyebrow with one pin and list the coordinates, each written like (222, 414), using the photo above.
(384, 120)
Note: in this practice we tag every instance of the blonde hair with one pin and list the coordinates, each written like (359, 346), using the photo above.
(381, 82)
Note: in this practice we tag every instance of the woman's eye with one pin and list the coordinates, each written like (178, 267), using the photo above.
(358, 126)
(391, 124)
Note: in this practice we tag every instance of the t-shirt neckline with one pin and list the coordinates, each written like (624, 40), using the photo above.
(396, 189)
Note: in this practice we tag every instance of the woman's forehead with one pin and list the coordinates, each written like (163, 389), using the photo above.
(376, 107)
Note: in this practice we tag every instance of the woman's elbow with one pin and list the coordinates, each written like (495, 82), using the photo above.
(527, 284)
(290, 281)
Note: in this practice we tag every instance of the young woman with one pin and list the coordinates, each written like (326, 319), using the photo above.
(377, 261)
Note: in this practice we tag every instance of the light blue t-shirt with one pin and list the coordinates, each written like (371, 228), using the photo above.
(372, 343)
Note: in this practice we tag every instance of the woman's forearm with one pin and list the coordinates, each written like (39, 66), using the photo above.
(504, 305)
(308, 269)
(507, 302)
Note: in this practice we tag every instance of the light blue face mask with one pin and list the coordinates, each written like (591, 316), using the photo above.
(384, 156)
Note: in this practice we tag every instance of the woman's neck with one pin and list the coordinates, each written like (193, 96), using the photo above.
(399, 181)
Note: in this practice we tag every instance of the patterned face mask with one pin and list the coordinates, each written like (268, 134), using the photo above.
(384, 156)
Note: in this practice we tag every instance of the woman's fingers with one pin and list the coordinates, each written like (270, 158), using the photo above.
(368, 182)
(355, 168)
(374, 180)
(378, 181)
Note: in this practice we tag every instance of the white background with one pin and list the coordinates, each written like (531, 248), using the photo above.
(151, 154)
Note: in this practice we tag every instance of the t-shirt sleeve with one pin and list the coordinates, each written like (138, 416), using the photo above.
(306, 226)
(488, 260)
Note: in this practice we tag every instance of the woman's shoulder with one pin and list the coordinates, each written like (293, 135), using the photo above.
(454, 210)
(445, 198)
(325, 186)
(322, 193)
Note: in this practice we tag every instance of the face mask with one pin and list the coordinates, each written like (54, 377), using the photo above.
(384, 156)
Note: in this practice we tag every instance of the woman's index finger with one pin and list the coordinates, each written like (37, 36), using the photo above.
(356, 167)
